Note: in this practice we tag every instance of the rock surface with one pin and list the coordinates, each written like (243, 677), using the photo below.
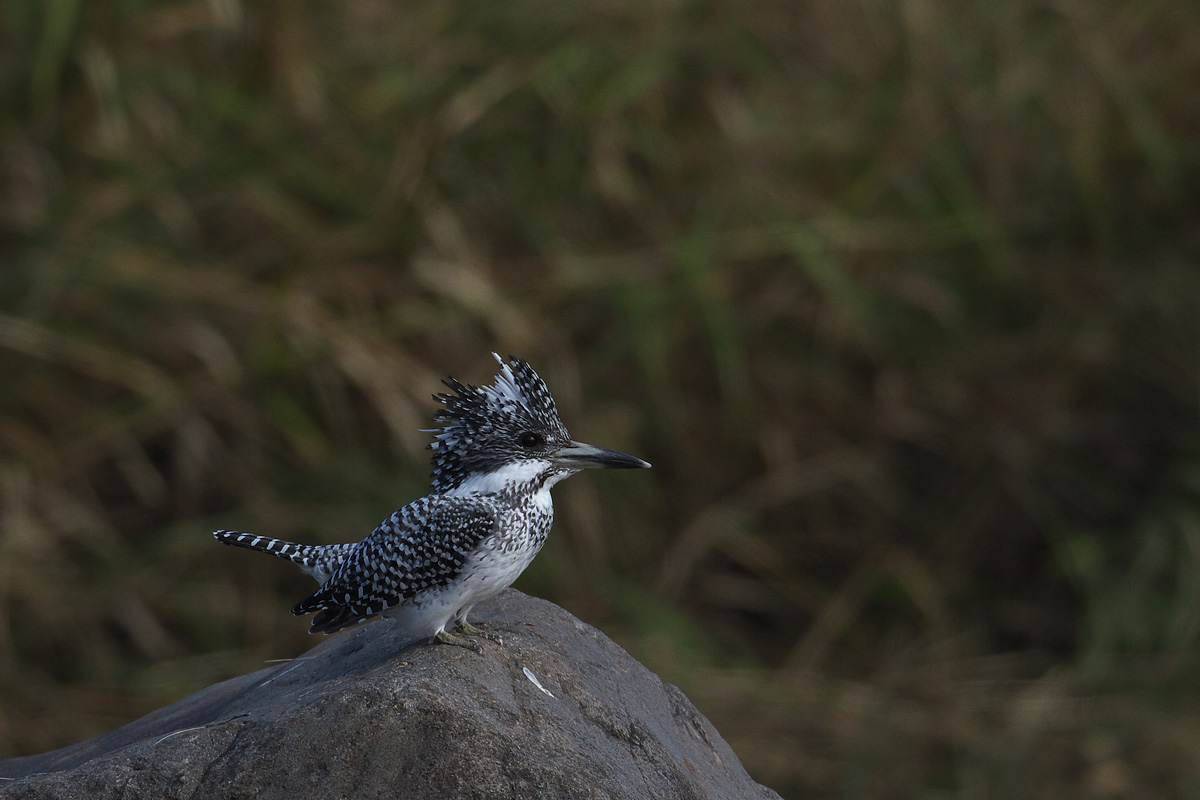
(356, 717)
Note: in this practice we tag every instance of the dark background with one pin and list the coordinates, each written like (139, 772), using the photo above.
(900, 298)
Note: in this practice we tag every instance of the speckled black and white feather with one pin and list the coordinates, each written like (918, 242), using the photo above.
(318, 560)
(481, 426)
(421, 547)
(488, 515)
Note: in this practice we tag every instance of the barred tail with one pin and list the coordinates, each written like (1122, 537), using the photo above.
(318, 560)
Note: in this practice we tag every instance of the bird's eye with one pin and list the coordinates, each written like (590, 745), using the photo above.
(529, 440)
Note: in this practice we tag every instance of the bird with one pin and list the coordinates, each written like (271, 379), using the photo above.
(498, 451)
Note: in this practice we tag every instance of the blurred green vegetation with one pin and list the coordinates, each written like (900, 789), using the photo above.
(900, 298)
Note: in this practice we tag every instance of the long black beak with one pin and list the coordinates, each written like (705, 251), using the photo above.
(577, 454)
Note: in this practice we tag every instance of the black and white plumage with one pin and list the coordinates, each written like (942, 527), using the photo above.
(498, 452)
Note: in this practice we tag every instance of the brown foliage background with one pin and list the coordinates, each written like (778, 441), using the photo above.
(900, 298)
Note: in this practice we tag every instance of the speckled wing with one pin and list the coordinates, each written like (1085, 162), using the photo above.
(420, 547)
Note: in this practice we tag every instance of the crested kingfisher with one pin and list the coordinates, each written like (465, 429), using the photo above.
(498, 452)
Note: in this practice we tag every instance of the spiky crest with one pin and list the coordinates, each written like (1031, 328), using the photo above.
(484, 428)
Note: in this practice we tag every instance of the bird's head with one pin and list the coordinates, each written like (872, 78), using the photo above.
(507, 433)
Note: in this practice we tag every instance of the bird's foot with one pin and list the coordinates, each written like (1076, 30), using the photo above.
(471, 630)
(445, 637)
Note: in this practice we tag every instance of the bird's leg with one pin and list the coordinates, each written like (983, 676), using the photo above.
(445, 637)
(471, 630)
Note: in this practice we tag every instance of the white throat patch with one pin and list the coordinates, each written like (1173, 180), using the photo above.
(510, 476)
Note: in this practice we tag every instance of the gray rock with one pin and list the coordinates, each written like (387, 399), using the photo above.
(358, 716)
